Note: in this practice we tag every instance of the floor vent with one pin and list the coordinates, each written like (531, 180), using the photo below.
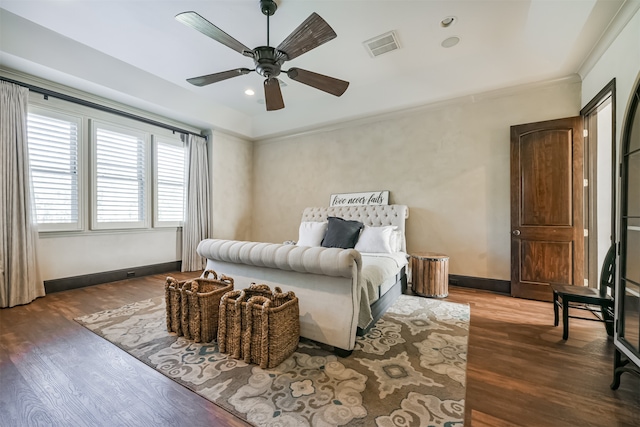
(382, 44)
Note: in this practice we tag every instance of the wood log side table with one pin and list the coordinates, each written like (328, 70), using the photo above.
(430, 274)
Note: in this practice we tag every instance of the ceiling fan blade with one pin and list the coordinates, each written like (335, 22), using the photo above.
(273, 94)
(313, 32)
(218, 77)
(197, 22)
(325, 83)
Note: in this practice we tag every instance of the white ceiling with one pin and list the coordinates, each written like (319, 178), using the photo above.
(134, 51)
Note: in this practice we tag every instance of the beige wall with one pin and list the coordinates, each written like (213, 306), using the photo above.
(449, 163)
(231, 186)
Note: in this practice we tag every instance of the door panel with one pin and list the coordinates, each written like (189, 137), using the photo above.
(546, 262)
(547, 237)
(546, 182)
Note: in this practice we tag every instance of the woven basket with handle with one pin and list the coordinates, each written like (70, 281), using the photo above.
(259, 326)
(173, 302)
(271, 329)
(200, 305)
(230, 324)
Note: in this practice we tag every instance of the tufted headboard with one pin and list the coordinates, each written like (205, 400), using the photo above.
(375, 216)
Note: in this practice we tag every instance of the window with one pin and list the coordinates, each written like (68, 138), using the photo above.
(92, 171)
(170, 182)
(53, 141)
(120, 177)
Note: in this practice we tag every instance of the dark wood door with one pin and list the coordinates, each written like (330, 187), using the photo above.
(547, 235)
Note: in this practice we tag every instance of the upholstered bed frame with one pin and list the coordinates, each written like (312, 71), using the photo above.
(326, 280)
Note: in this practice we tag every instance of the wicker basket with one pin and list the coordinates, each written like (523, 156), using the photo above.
(259, 326)
(200, 306)
(173, 298)
(230, 324)
(228, 340)
(271, 329)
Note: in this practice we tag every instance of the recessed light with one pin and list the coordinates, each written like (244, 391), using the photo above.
(249, 92)
(448, 21)
(450, 42)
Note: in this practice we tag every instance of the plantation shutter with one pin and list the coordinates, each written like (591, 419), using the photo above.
(53, 159)
(120, 176)
(170, 179)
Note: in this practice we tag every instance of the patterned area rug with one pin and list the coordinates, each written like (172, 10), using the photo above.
(409, 370)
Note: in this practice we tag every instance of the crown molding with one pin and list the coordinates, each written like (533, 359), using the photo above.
(626, 12)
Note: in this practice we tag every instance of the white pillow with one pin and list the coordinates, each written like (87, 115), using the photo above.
(311, 233)
(396, 240)
(376, 240)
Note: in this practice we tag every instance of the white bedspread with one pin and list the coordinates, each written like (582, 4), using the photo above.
(376, 269)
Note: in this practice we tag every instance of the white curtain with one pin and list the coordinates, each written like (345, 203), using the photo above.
(20, 282)
(196, 224)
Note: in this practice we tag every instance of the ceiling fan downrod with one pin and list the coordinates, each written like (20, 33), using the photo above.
(268, 8)
(267, 59)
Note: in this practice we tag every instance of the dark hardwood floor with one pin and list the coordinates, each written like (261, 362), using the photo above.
(54, 372)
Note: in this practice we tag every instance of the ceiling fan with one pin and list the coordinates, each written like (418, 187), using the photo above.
(313, 32)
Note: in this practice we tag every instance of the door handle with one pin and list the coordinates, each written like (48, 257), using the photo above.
(516, 232)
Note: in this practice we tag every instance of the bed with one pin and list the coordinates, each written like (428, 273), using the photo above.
(342, 292)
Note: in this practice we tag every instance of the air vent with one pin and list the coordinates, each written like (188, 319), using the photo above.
(382, 44)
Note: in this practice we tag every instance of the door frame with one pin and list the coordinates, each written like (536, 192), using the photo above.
(589, 113)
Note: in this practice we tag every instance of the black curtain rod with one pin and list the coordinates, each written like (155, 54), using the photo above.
(47, 92)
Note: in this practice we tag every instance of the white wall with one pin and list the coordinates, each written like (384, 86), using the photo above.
(448, 162)
(74, 255)
(622, 62)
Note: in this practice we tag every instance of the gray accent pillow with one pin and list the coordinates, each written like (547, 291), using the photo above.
(342, 233)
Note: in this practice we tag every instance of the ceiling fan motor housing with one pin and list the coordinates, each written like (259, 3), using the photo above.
(268, 61)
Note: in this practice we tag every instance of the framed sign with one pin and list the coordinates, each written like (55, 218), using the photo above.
(355, 199)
